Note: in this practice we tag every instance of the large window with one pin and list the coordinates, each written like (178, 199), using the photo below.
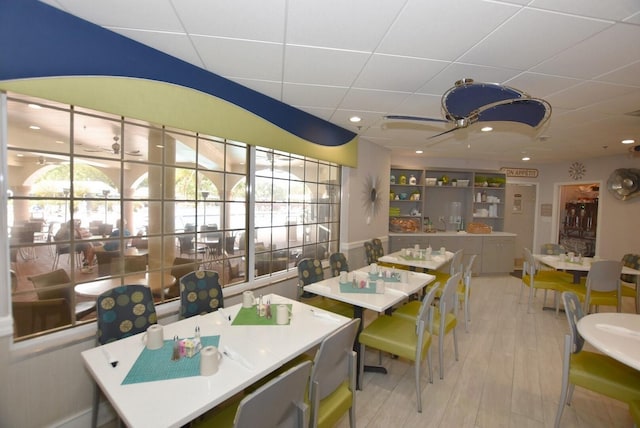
(98, 200)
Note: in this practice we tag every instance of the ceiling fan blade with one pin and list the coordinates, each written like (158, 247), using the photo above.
(419, 118)
(445, 132)
(466, 97)
(530, 111)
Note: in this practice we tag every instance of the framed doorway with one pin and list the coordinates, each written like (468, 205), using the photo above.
(520, 216)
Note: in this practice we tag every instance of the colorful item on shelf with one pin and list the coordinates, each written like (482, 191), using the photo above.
(412, 180)
(403, 179)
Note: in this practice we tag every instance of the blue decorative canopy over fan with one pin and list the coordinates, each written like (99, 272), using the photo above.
(468, 102)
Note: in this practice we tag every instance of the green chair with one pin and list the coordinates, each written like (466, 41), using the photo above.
(634, 409)
(122, 312)
(278, 403)
(629, 282)
(310, 271)
(332, 386)
(402, 337)
(542, 279)
(602, 286)
(594, 371)
(455, 266)
(200, 293)
(338, 263)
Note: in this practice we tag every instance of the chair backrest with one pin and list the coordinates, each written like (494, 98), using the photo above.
(135, 263)
(108, 262)
(52, 285)
(182, 266)
(278, 403)
(186, 243)
(604, 276)
(631, 261)
(424, 321)
(529, 265)
(39, 315)
(456, 262)
(468, 271)
(334, 364)
(124, 311)
(14, 280)
(369, 253)
(552, 249)
(377, 247)
(200, 293)
(573, 310)
(309, 271)
(338, 263)
(448, 297)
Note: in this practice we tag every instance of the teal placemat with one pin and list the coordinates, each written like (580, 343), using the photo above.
(349, 288)
(249, 316)
(157, 365)
(392, 278)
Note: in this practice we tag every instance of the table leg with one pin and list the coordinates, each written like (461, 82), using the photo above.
(358, 313)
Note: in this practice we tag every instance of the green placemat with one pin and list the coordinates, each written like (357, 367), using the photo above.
(157, 365)
(249, 316)
(349, 288)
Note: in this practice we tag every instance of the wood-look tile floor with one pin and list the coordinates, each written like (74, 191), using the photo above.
(508, 373)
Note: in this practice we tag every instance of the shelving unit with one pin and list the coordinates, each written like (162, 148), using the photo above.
(446, 198)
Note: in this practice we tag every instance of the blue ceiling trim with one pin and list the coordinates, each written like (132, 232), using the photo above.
(37, 40)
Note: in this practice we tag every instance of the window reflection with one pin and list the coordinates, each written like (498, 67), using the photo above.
(148, 204)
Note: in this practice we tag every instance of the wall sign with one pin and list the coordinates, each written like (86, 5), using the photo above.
(520, 172)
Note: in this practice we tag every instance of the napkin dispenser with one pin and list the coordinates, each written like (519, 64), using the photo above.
(189, 347)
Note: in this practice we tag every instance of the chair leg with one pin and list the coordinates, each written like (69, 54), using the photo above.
(361, 368)
(429, 365)
(530, 300)
(441, 354)
(417, 375)
(96, 404)
(455, 343)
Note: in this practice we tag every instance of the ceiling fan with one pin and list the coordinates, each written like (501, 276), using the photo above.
(114, 149)
(468, 102)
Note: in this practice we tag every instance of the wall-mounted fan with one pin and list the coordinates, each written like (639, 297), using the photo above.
(468, 102)
(114, 149)
(624, 183)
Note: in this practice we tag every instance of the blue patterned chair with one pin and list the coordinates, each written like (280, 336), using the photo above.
(122, 312)
(310, 271)
(338, 263)
(200, 293)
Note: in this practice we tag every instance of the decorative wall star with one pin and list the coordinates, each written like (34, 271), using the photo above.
(577, 170)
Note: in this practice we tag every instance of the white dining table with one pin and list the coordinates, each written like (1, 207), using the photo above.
(433, 262)
(614, 334)
(394, 293)
(175, 402)
(560, 262)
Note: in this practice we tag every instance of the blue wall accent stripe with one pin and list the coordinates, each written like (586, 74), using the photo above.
(37, 40)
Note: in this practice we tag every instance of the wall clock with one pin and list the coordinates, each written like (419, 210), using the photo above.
(370, 197)
(577, 170)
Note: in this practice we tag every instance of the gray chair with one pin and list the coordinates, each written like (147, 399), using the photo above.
(332, 386)
(603, 286)
(464, 291)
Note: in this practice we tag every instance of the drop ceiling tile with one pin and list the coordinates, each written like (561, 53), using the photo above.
(585, 94)
(614, 10)
(523, 41)
(243, 19)
(240, 58)
(313, 95)
(456, 71)
(626, 75)
(420, 105)
(380, 101)
(396, 73)
(146, 15)
(442, 29)
(352, 25)
(541, 85)
(579, 61)
(322, 66)
(175, 44)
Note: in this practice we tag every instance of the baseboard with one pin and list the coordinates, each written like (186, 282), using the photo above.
(106, 415)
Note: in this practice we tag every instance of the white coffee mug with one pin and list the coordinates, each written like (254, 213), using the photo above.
(443, 251)
(380, 286)
(209, 360)
(404, 277)
(282, 314)
(416, 247)
(248, 299)
(154, 337)
(343, 277)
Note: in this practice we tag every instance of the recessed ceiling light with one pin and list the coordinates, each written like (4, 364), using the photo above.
(35, 106)
(34, 127)
(486, 129)
(59, 142)
(355, 119)
(628, 141)
(526, 158)
(160, 146)
(20, 155)
(419, 152)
